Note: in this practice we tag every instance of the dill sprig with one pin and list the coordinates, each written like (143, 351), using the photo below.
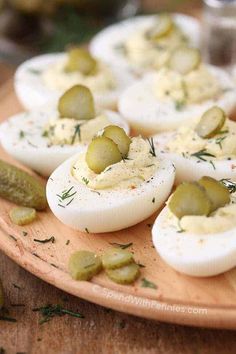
(46, 240)
(77, 132)
(229, 184)
(201, 154)
(152, 147)
(65, 195)
(219, 141)
(7, 319)
(122, 246)
(49, 311)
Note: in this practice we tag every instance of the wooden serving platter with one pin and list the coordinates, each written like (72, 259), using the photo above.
(209, 302)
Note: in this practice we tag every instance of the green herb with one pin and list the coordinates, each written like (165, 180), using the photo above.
(219, 141)
(7, 319)
(212, 163)
(76, 133)
(86, 229)
(46, 240)
(66, 194)
(201, 154)
(49, 311)
(179, 105)
(229, 184)
(223, 132)
(122, 246)
(141, 265)
(67, 242)
(45, 134)
(16, 286)
(34, 71)
(152, 147)
(21, 134)
(85, 180)
(147, 284)
(13, 237)
(24, 233)
(153, 200)
(120, 48)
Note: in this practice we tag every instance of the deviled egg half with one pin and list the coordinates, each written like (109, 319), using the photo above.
(44, 78)
(206, 148)
(118, 182)
(45, 137)
(145, 42)
(196, 232)
(179, 92)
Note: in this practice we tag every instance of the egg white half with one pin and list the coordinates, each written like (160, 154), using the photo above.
(148, 115)
(33, 149)
(107, 210)
(104, 44)
(190, 168)
(194, 254)
(32, 91)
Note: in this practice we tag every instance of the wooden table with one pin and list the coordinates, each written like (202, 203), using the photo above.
(101, 330)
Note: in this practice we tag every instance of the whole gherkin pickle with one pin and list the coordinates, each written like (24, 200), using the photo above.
(1, 295)
(19, 187)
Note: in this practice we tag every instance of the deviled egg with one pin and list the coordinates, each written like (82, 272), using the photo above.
(44, 78)
(196, 232)
(206, 148)
(45, 137)
(145, 42)
(118, 182)
(179, 92)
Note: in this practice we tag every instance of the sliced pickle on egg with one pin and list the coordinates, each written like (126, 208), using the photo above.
(119, 136)
(116, 258)
(77, 103)
(218, 194)
(189, 199)
(124, 275)
(161, 28)
(22, 215)
(211, 122)
(83, 265)
(184, 60)
(102, 152)
(79, 59)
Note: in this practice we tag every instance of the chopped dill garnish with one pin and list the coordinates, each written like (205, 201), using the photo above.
(223, 132)
(16, 286)
(86, 229)
(152, 147)
(212, 163)
(49, 311)
(147, 284)
(120, 245)
(85, 180)
(141, 265)
(24, 233)
(201, 154)
(219, 141)
(153, 200)
(179, 105)
(46, 240)
(21, 134)
(66, 194)
(7, 319)
(34, 71)
(67, 242)
(76, 133)
(45, 134)
(229, 184)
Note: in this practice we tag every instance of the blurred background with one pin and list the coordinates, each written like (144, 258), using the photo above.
(28, 27)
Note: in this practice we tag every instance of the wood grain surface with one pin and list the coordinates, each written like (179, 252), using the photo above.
(100, 330)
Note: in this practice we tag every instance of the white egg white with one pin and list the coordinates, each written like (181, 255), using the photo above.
(148, 115)
(104, 45)
(106, 210)
(190, 168)
(32, 91)
(199, 255)
(21, 137)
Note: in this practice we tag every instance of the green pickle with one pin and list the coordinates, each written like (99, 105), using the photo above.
(189, 199)
(211, 122)
(124, 275)
(19, 187)
(1, 295)
(218, 194)
(162, 27)
(119, 136)
(22, 215)
(79, 59)
(101, 153)
(83, 265)
(77, 103)
(184, 60)
(115, 258)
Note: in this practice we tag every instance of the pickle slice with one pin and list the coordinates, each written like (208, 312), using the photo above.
(21, 188)
(116, 258)
(102, 152)
(184, 60)
(83, 265)
(189, 199)
(22, 215)
(119, 136)
(211, 122)
(124, 275)
(1, 295)
(162, 27)
(218, 194)
(77, 103)
(79, 59)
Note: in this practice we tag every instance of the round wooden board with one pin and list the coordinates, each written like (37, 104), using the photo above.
(208, 302)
